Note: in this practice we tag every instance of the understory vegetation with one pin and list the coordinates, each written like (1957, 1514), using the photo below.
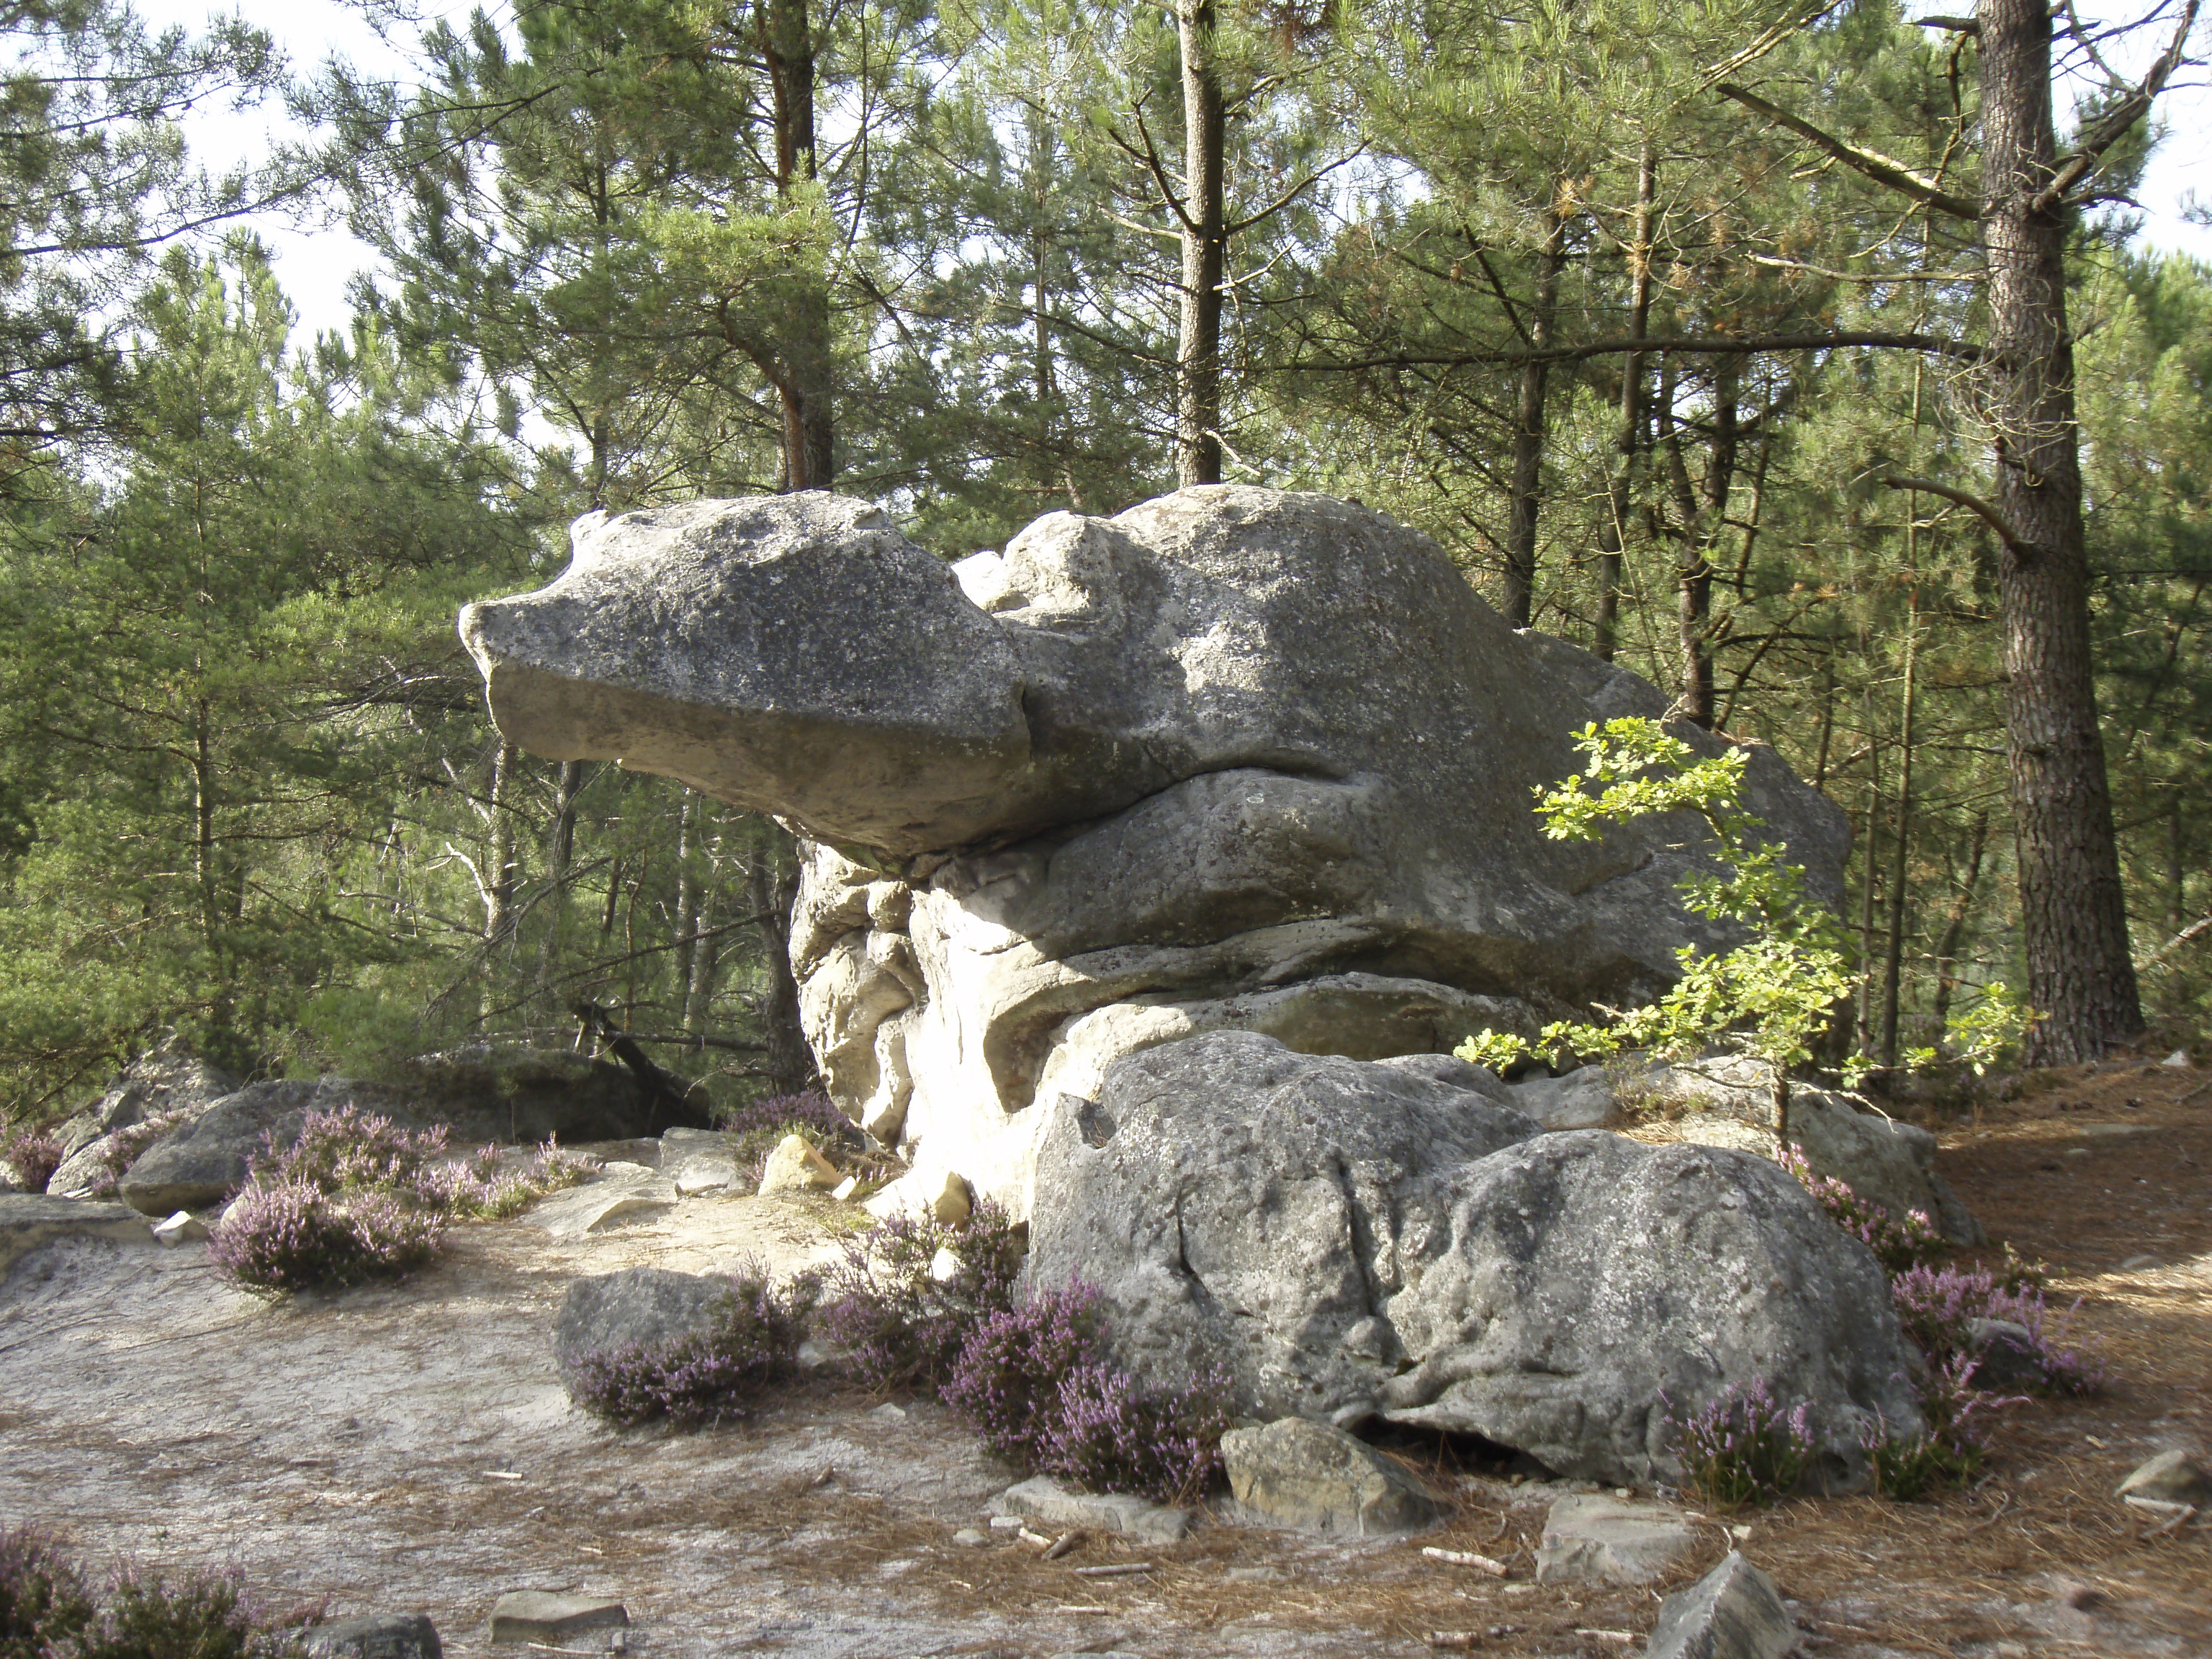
(921, 1305)
(356, 1198)
(51, 1608)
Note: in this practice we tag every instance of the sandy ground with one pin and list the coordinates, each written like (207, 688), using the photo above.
(410, 1448)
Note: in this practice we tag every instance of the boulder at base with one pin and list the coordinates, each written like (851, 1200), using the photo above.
(643, 1308)
(480, 1096)
(1234, 759)
(1317, 1478)
(166, 1081)
(1883, 1161)
(1352, 1239)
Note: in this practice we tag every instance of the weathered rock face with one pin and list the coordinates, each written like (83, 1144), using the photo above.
(1355, 1239)
(1232, 760)
(166, 1080)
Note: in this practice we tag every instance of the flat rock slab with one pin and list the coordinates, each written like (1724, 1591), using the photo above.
(1319, 1479)
(377, 1636)
(2172, 1477)
(1733, 1613)
(30, 1219)
(619, 1192)
(1611, 1538)
(1045, 1499)
(546, 1616)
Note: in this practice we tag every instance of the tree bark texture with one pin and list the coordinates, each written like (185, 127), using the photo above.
(1528, 428)
(2073, 919)
(1621, 485)
(1204, 235)
(772, 883)
(801, 369)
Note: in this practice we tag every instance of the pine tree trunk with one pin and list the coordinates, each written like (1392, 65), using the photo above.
(1204, 250)
(1893, 978)
(561, 855)
(2073, 918)
(1954, 923)
(772, 885)
(499, 877)
(1529, 427)
(1621, 485)
(803, 371)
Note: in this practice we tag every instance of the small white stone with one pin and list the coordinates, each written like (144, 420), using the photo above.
(183, 1227)
(844, 1189)
(971, 1538)
(2178, 1060)
(888, 1413)
(944, 1267)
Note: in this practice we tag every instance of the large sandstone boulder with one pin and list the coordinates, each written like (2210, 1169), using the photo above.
(480, 1096)
(520, 1095)
(1352, 1240)
(1234, 760)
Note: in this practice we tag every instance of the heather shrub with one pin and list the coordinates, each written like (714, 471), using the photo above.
(1939, 1307)
(1007, 1381)
(1899, 1243)
(44, 1605)
(1951, 1449)
(32, 1155)
(357, 1197)
(293, 1236)
(705, 1379)
(197, 1615)
(908, 1296)
(1743, 1447)
(756, 1127)
(1034, 1382)
(48, 1612)
(1113, 1432)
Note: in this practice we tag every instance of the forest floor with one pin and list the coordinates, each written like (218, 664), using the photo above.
(410, 1448)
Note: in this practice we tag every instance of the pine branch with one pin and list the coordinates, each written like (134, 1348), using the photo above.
(2120, 118)
(1883, 169)
(2011, 537)
(1688, 344)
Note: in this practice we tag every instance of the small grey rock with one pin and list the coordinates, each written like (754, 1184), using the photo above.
(1045, 1499)
(636, 1308)
(2004, 1353)
(2141, 1264)
(376, 1636)
(971, 1538)
(1604, 1538)
(621, 1192)
(1583, 1099)
(547, 1616)
(1319, 1479)
(1733, 1613)
(2172, 1477)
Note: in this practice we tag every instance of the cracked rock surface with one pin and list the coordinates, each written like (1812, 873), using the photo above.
(1352, 1240)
